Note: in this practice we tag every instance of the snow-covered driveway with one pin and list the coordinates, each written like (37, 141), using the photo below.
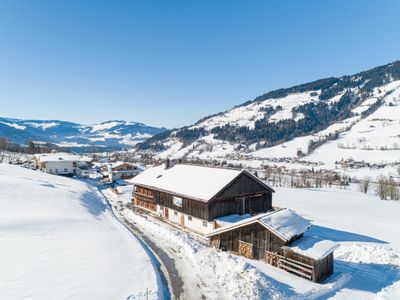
(59, 240)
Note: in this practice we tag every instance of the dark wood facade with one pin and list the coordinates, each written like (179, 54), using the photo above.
(244, 195)
(256, 242)
(254, 234)
(322, 268)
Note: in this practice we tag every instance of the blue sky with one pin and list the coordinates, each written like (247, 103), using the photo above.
(169, 63)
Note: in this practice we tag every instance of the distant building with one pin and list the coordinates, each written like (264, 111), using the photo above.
(194, 196)
(119, 170)
(61, 163)
(300, 152)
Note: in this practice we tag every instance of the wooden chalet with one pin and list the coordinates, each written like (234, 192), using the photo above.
(278, 238)
(119, 170)
(194, 196)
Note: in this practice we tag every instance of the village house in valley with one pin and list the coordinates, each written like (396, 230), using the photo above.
(195, 196)
(119, 170)
(64, 164)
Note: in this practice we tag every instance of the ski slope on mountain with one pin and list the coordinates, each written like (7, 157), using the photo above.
(374, 139)
(59, 240)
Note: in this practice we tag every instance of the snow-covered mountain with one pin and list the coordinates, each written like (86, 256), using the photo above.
(111, 135)
(355, 117)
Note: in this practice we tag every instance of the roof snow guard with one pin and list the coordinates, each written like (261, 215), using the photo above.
(285, 223)
(193, 181)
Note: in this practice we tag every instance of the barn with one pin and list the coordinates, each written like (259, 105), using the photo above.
(194, 196)
(278, 237)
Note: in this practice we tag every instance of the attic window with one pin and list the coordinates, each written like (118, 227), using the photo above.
(159, 176)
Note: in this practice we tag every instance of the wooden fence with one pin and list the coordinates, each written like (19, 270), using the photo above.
(290, 265)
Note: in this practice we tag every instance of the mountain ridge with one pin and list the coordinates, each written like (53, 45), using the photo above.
(317, 112)
(104, 136)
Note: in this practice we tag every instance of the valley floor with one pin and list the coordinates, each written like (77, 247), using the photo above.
(60, 240)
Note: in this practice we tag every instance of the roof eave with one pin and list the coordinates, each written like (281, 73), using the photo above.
(171, 192)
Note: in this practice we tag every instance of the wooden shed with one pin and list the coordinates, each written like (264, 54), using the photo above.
(278, 238)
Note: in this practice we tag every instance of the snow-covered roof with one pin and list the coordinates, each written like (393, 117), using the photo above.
(125, 189)
(314, 247)
(197, 182)
(119, 163)
(285, 223)
(51, 157)
(227, 220)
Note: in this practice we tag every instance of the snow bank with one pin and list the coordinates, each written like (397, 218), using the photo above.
(224, 276)
(59, 240)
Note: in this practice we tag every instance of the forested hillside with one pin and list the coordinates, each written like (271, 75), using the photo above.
(325, 108)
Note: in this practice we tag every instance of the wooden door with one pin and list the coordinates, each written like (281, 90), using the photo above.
(215, 242)
(182, 220)
(166, 212)
(240, 206)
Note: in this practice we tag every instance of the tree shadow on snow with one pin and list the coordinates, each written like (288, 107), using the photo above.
(342, 236)
(93, 203)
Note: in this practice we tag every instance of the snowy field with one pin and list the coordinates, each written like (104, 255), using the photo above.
(367, 264)
(59, 240)
(368, 230)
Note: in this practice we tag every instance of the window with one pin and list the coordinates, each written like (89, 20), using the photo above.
(205, 223)
(56, 170)
(65, 170)
(175, 213)
(190, 218)
(177, 201)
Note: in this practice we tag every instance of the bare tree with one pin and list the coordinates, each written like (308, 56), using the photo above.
(381, 187)
(292, 175)
(365, 184)
(3, 148)
(14, 157)
(393, 191)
